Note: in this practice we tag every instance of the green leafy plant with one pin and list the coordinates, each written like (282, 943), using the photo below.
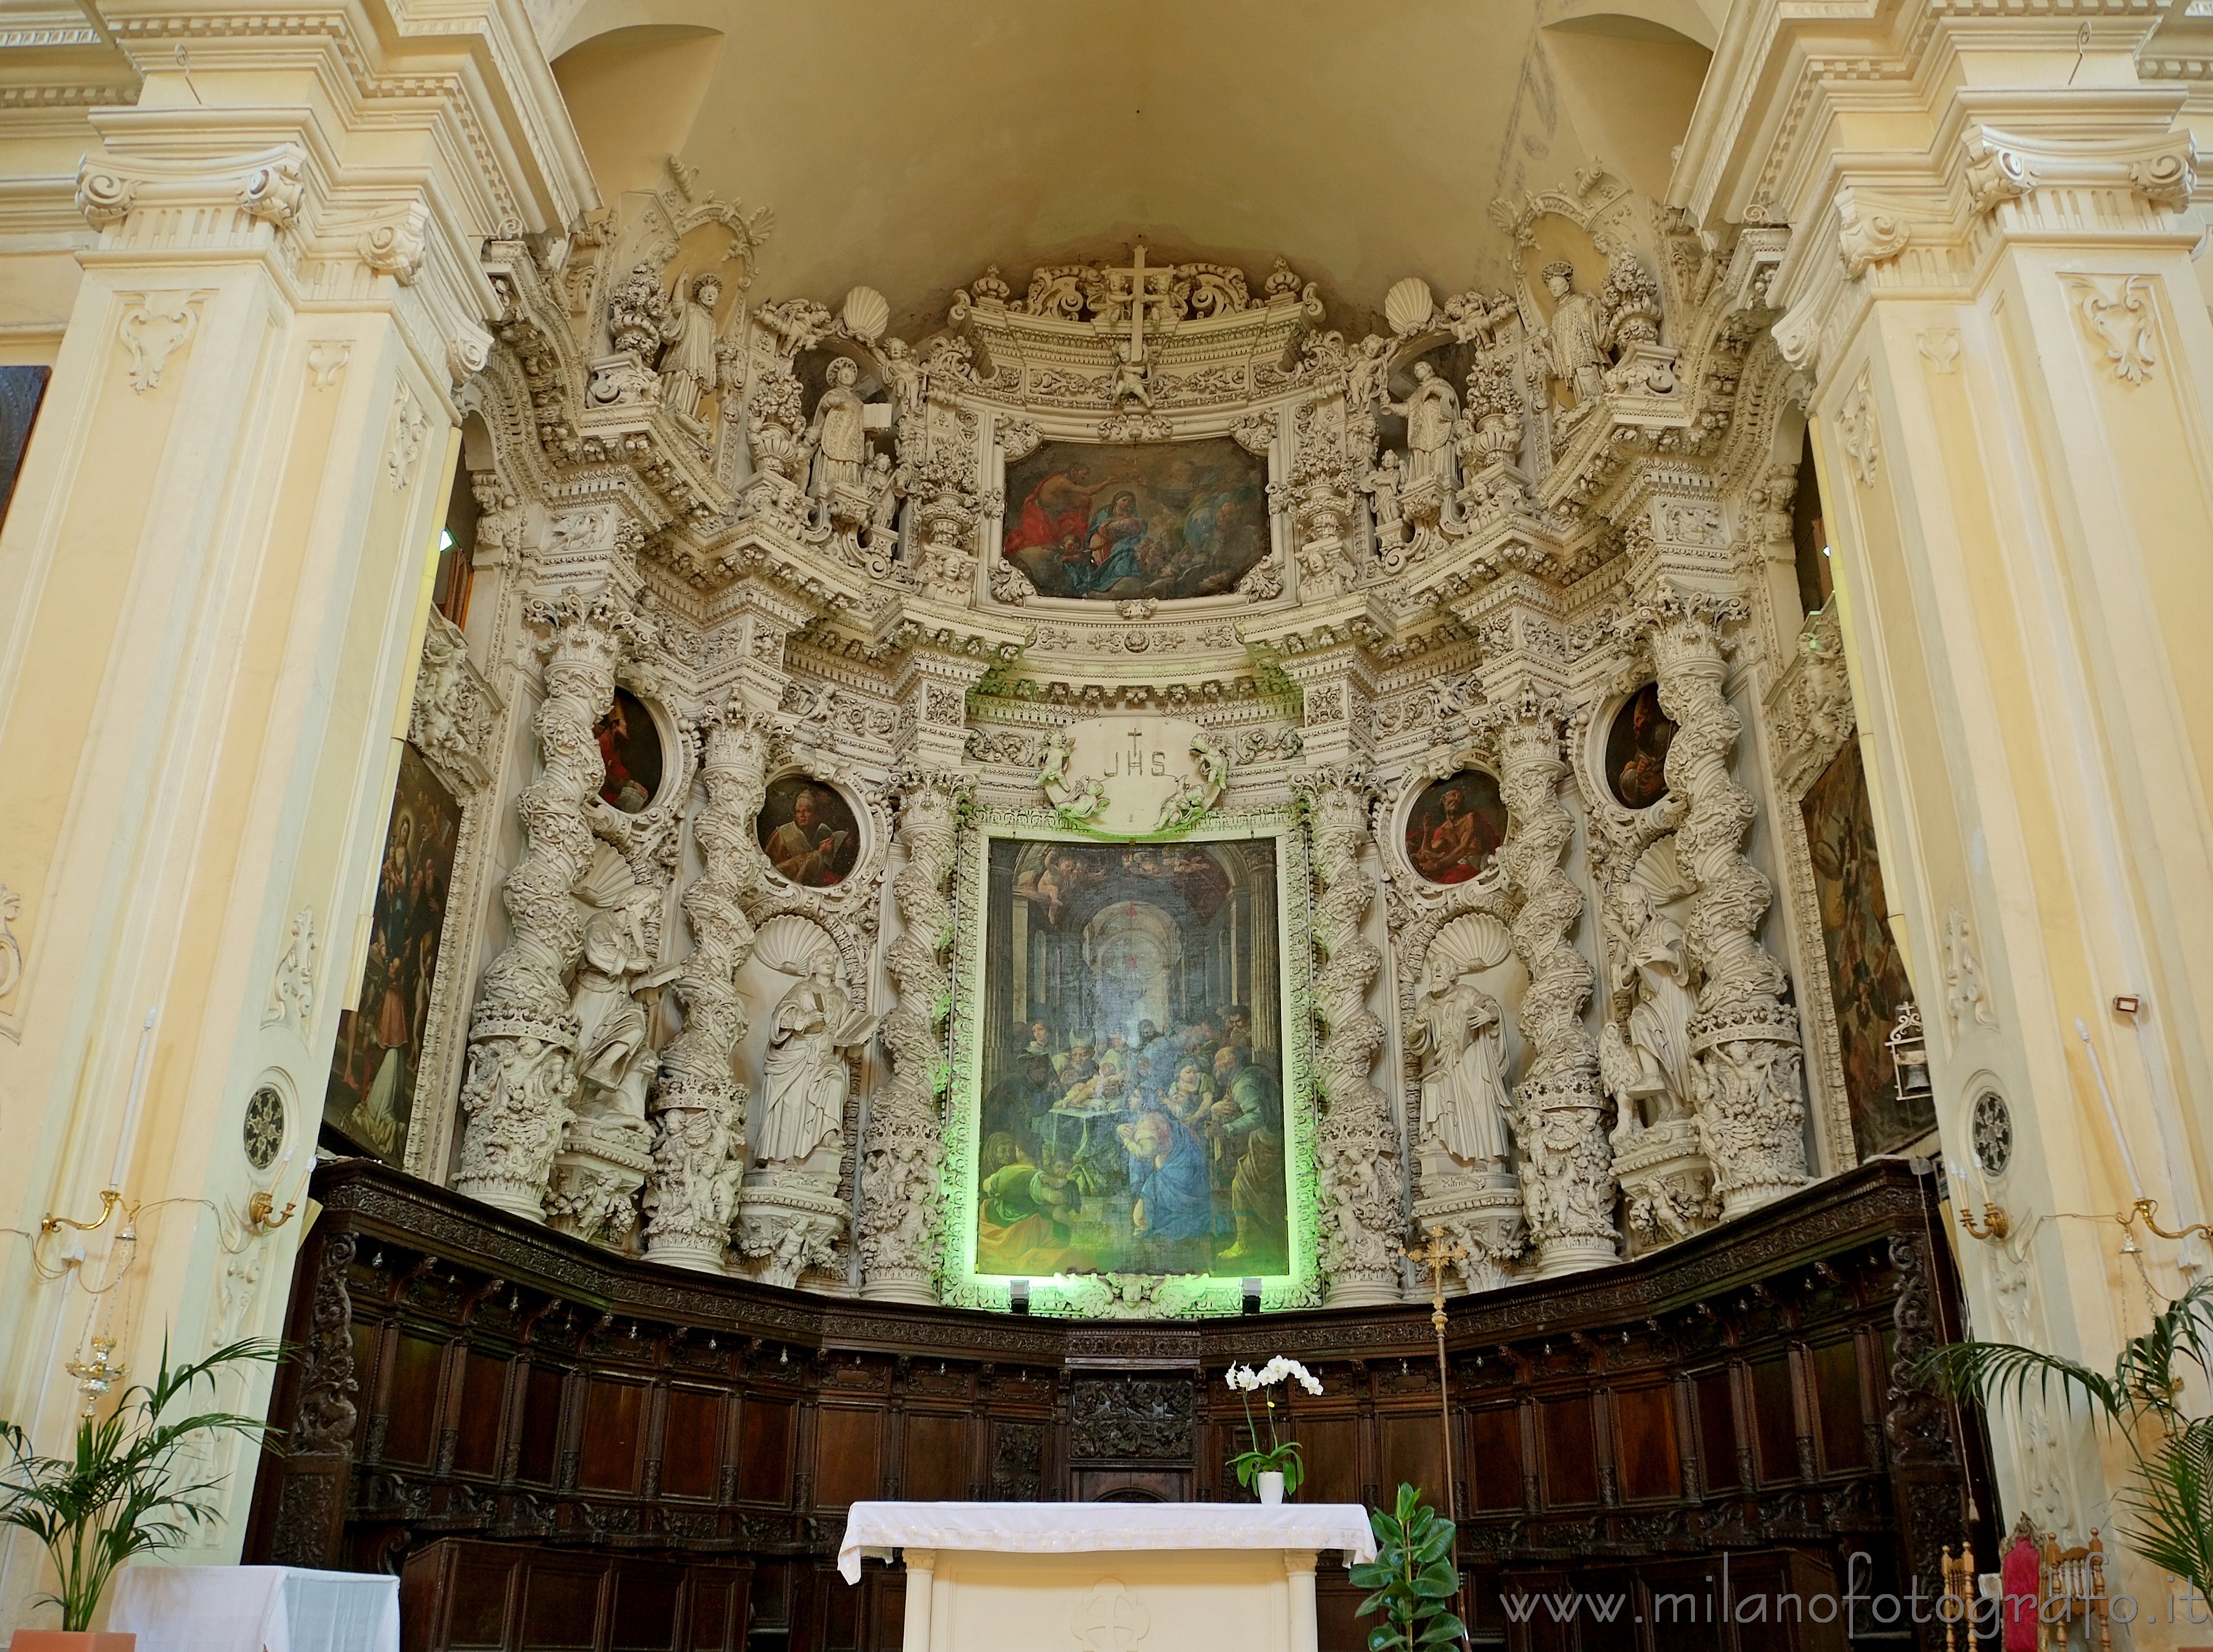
(1281, 1456)
(1414, 1577)
(124, 1491)
(2169, 1507)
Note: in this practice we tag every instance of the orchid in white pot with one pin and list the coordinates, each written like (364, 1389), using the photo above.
(1280, 1462)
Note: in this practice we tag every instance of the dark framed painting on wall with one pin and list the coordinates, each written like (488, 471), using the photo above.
(370, 1099)
(21, 390)
(1867, 977)
(629, 746)
(1154, 519)
(1456, 826)
(1636, 743)
(809, 831)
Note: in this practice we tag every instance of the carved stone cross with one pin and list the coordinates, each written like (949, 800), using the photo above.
(1136, 286)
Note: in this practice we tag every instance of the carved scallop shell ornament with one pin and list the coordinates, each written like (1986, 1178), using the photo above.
(1475, 942)
(1409, 305)
(865, 313)
(788, 944)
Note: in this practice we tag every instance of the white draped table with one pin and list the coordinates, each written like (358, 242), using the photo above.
(255, 1609)
(1107, 1576)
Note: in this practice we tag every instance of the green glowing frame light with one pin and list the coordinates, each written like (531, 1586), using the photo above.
(1124, 1296)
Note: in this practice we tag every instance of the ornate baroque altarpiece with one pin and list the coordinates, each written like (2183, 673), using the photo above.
(1474, 701)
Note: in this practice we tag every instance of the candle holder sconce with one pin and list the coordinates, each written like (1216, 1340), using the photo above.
(257, 1209)
(110, 1197)
(1995, 1224)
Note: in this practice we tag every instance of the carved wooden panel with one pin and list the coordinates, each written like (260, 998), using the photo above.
(551, 1441)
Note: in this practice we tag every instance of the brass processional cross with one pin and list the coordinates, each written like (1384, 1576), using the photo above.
(1437, 1255)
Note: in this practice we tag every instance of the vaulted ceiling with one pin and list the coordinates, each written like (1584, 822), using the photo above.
(908, 145)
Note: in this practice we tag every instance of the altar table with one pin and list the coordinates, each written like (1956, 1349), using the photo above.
(255, 1609)
(1107, 1576)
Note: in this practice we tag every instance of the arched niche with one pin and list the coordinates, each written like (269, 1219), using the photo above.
(1628, 83)
(633, 91)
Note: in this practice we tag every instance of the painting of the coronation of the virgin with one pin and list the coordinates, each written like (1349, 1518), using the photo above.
(380, 1051)
(1455, 827)
(1867, 978)
(1159, 519)
(1132, 1113)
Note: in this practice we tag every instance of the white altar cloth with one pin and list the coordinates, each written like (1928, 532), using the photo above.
(1104, 1577)
(255, 1609)
(1097, 1527)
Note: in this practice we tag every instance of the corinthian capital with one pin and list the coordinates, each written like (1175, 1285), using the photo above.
(580, 626)
(1682, 624)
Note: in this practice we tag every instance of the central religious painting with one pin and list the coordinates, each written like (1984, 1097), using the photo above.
(1134, 1097)
(1162, 519)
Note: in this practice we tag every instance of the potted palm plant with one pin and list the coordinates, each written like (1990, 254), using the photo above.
(2169, 1505)
(124, 1490)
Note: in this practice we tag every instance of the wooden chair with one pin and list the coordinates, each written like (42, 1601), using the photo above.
(2073, 1591)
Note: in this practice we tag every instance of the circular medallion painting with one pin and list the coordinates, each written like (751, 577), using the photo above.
(1637, 750)
(630, 744)
(264, 1127)
(1990, 1129)
(808, 832)
(1456, 826)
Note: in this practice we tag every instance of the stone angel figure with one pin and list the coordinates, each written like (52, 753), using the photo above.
(1458, 1035)
(688, 366)
(803, 1076)
(1132, 383)
(1075, 801)
(1198, 792)
(1382, 487)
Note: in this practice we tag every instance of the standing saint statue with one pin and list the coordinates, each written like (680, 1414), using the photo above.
(803, 1077)
(1575, 355)
(1429, 409)
(1459, 1039)
(688, 357)
(614, 1058)
(838, 435)
(1650, 958)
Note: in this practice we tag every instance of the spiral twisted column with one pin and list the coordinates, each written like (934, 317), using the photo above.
(699, 1106)
(516, 1092)
(1363, 1181)
(1746, 1069)
(903, 1144)
(1567, 1168)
